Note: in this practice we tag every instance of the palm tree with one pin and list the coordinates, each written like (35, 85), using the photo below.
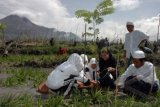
(95, 17)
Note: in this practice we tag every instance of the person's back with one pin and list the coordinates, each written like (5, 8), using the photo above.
(62, 72)
(65, 72)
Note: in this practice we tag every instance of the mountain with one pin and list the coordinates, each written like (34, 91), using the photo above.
(21, 27)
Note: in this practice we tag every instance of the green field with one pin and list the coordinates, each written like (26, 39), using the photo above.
(27, 69)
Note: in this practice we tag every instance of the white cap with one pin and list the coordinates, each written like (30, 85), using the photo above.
(84, 58)
(139, 54)
(93, 61)
(130, 23)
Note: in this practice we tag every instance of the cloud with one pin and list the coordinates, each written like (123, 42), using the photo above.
(41, 12)
(49, 13)
(149, 26)
(52, 13)
(114, 30)
(123, 5)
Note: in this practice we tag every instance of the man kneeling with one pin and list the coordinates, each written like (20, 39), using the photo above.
(140, 78)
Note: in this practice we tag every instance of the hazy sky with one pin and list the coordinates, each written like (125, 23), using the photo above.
(60, 14)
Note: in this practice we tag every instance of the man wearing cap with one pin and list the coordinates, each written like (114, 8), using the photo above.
(132, 41)
(139, 76)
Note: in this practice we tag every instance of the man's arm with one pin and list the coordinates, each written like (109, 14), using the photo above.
(149, 71)
(143, 37)
(144, 40)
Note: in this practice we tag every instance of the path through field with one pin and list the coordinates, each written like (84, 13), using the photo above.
(17, 91)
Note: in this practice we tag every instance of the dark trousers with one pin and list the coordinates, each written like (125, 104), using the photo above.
(129, 61)
(107, 82)
(61, 90)
(132, 86)
(66, 85)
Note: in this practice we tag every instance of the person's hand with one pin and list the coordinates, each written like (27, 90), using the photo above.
(80, 86)
(98, 73)
(93, 82)
(135, 78)
(110, 69)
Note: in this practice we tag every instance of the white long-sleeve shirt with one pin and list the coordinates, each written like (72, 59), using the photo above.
(132, 40)
(144, 73)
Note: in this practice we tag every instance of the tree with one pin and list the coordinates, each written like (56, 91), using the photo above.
(5, 45)
(95, 17)
(2, 28)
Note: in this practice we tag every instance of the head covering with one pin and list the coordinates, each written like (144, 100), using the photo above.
(130, 23)
(93, 61)
(84, 58)
(138, 54)
(76, 60)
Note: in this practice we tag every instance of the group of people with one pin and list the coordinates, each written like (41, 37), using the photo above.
(86, 74)
(139, 78)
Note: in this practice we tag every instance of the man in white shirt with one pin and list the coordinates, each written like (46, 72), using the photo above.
(132, 41)
(139, 76)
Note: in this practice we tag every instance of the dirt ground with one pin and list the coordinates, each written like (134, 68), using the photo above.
(3, 75)
(16, 90)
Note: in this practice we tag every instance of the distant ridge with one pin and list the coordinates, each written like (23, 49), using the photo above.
(22, 27)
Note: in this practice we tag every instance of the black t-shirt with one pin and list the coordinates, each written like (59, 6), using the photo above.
(104, 64)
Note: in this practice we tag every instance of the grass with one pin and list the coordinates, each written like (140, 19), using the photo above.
(22, 59)
(96, 99)
(22, 75)
(42, 59)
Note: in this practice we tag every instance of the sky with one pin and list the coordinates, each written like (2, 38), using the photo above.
(59, 14)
